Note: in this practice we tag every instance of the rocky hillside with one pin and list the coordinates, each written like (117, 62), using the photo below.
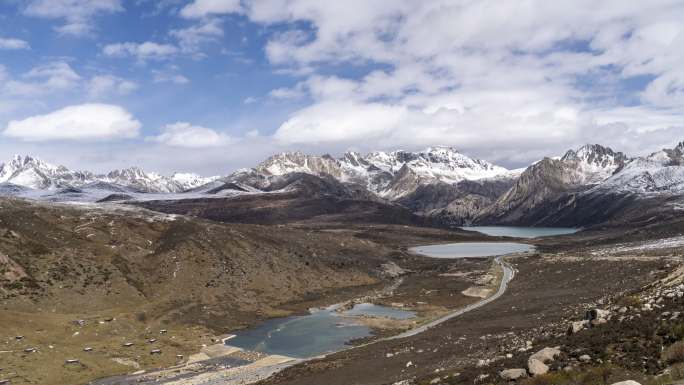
(457, 204)
(294, 197)
(533, 195)
(659, 173)
(73, 260)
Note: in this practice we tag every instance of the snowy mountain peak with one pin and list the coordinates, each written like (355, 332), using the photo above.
(289, 162)
(34, 173)
(678, 152)
(127, 173)
(594, 153)
(594, 163)
(19, 161)
(190, 180)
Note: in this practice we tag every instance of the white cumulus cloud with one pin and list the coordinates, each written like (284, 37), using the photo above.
(12, 43)
(102, 85)
(202, 8)
(44, 79)
(191, 38)
(76, 14)
(141, 51)
(78, 122)
(184, 134)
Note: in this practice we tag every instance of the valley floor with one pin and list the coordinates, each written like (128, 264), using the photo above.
(550, 291)
(545, 295)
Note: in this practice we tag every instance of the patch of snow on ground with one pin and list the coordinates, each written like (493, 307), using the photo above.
(664, 243)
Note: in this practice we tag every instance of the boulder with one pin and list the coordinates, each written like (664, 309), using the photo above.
(585, 358)
(628, 382)
(546, 354)
(536, 367)
(513, 374)
(536, 364)
(576, 326)
(599, 321)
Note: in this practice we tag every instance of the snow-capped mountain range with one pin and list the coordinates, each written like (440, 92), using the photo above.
(660, 172)
(389, 174)
(392, 175)
(32, 173)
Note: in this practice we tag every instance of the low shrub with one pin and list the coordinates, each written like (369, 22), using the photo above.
(674, 353)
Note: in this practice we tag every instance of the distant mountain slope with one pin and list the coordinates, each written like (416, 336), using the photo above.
(590, 186)
(294, 197)
(659, 173)
(456, 204)
(549, 179)
(34, 173)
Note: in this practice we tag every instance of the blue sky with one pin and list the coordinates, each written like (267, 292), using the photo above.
(213, 85)
(231, 69)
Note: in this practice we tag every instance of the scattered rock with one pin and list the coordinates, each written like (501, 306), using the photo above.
(546, 354)
(585, 358)
(392, 270)
(513, 374)
(536, 367)
(536, 364)
(577, 326)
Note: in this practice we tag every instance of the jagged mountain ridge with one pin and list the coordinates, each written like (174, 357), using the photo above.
(390, 175)
(591, 185)
(29, 172)
(660, 172)
(439, 183)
